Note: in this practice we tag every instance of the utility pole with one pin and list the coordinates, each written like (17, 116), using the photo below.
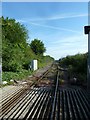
(87, 31)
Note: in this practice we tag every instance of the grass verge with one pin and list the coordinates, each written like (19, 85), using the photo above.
(7, 76)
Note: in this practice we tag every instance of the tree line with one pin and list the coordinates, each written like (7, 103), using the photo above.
(77, 66)
(16, 51)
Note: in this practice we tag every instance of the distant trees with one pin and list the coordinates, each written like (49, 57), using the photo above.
(37, 47)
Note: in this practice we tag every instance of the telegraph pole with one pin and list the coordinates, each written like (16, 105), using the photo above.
(87, 31)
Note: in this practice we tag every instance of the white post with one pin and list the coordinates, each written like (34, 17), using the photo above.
(34, 65)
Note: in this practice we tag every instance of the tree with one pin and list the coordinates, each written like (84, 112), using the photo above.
(14, 36)
(16, 52)
(37, 47)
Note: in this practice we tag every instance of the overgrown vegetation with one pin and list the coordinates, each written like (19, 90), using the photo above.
(16, 52)
(77, 67)
(7, 76)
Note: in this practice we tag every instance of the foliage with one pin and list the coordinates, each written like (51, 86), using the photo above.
(37, 47)
(16, 52)
(28, 56)
(77, 65)
(7, 76)
(44, 60)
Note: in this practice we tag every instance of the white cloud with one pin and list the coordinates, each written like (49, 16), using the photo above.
(67, 16)
(56, 17)
(70, 39)
(68, 46)
(53, 27)
(58, 45)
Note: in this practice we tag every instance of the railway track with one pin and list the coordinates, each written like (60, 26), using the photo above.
(52, 102)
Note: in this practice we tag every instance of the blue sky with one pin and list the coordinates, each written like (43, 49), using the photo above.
(60, 25)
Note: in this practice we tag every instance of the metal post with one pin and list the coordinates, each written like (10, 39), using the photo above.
(88, 66)
(87, 31)
(88, 69)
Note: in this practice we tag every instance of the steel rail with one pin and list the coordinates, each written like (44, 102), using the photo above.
(39, 115)
(18, 104)
(48, 103)
(36, 110)
(30, 112)
(19, 107)
(55, 96)
(11, 101)
(45, 114)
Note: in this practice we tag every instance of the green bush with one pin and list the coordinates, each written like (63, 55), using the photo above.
(77, 66)
(7, 76)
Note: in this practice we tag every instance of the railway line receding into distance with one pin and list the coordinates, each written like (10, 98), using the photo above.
(46, 99)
